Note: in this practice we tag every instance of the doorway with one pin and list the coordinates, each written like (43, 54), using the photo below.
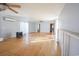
(38, 30)
(52, 28)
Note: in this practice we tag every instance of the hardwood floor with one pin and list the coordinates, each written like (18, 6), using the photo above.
(34, 44)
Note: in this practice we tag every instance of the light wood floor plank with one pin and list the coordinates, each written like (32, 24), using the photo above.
(40, 44)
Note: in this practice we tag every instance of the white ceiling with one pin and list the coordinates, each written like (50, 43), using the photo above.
(38, 11)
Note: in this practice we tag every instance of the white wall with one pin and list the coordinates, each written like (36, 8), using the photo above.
(69, 20)
(32, 26)
(44, 27)
(8, 28)
(24, 27)
(69, 17)
(0, 27)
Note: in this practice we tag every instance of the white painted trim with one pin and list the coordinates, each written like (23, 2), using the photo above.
(73, 34)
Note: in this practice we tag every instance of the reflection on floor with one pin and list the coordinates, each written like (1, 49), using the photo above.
(36, 44)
